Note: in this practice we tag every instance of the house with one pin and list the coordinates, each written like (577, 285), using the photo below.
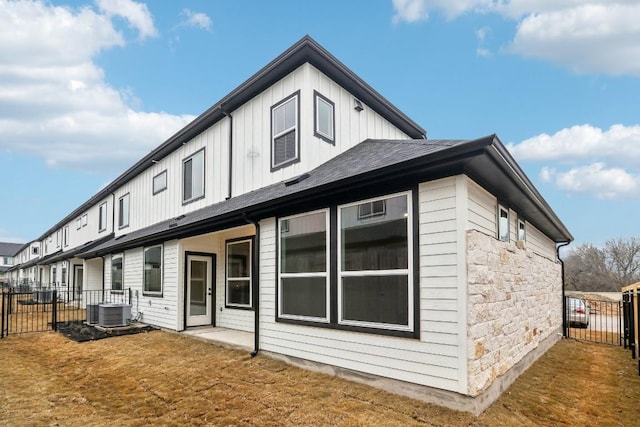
(307, 210)
(7, 253)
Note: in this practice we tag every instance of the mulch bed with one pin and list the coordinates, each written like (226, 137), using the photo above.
(81, 332)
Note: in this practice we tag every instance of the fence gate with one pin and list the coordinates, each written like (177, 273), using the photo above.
(27, 309)
(594, 320)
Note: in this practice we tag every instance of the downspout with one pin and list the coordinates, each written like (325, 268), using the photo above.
(564, 300)
(255, 285)
(230, 150)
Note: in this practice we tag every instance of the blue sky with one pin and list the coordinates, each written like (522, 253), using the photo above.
(89, 87)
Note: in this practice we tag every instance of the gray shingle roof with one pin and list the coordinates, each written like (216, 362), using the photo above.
(371, 162)
(10, 249)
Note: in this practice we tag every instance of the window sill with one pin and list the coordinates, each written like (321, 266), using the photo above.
(152, 294)
(186, 202)
(238, 307)
(350, 328)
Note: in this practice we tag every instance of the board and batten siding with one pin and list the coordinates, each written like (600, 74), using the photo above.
(93, 274)
(438, 358)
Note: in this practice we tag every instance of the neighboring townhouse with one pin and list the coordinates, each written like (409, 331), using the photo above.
(307, 210)
(8, 252)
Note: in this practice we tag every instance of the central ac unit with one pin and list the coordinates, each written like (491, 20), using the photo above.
(92, 314)
(111, 315)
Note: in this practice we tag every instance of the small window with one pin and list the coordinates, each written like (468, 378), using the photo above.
(65, 236)
(160, 182)
(193, 177)
(78, 223)
(102, 220)
(324, 118)
(284, 132)
(116, 272)
(85, 220)
(522, 231)
(58, 238)
(371, 209)
(503, 224)
(153, 270)
(63, 276)
(53, 275)
(304, 266)
(239, 273)
(123, 211)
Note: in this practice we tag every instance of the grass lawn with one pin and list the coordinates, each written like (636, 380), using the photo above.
(161, 378)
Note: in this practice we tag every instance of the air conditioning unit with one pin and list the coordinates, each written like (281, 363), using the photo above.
(92, 314)
(111, 315)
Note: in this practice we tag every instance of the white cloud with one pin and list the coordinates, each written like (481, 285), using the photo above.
(196, 19)
(619, 143)
(589, 36)
(598, 180)
(54, 101)
(136, 14)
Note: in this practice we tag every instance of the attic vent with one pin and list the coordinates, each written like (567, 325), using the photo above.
(297, 179)
(180, 217)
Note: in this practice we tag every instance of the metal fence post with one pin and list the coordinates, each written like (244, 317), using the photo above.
(4, 297)
(54, 311)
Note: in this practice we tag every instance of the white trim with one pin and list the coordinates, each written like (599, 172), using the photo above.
(295, 128)
(144, 264)
(462, 224)
(243, 279)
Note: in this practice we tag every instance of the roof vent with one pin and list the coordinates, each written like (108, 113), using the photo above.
(297, 179)
(357, 105)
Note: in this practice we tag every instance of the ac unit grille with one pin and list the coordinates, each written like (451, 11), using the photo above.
(92, 314)
(111, 315)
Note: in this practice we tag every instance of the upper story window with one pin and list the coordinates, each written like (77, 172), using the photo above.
(102, 217)
(78, 223)
(84, 220)
(65, 236)
(160, 182)
(153, 270)
(193, 177)
(284, 132)
(7, 261)
(323, 118)
(123, 211)
(34, 250)
(503, 223)
(58, 239)
(239, 273)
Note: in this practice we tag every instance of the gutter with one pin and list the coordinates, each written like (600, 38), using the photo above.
(255, 284)
(230, 150)
(564, 299)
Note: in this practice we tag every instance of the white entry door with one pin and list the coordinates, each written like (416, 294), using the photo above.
(199, 290)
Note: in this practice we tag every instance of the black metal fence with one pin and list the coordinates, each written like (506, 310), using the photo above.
(594, 320)
(26, 309)
(631, 310)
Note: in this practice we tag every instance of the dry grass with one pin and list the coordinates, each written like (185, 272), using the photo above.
(162, 378)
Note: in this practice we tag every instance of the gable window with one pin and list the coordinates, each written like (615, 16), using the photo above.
(284, 132)
(239, 273)
(159, 182)
(374, 283)
(522, 231)
(304, 258)
(503, 224)
(102, 217)
(323, 118)
(123, 211)
(34, 250)
(116, 272)
(65, 236)
(193, 177)
(153, 270)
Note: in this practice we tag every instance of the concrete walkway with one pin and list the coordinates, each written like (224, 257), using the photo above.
(229, 338)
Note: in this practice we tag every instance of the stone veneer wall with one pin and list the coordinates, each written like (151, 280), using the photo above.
(514, 303)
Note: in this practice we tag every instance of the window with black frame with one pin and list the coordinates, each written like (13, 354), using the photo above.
(239, 273)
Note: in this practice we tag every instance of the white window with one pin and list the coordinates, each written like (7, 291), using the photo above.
(123, 211)
(239, 273)
(284, 132)
(58, 238)
(153, 270)
(34, 250)
(116, 272)
(324, 118)
(53, 275)
(503, 224)
(193, 177)
(65, 236)
(102, 219)
(63, 276)
(159, 182)
(374, 265)
(371, 209)
(304, 265)
(78, 223)
(85, 220)
(522, 231)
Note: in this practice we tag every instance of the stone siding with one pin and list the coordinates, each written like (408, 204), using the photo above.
(515, 302)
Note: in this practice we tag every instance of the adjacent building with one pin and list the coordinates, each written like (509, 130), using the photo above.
(305, 209)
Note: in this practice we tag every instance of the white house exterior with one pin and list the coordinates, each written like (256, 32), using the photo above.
(307, 210)
(8, 252)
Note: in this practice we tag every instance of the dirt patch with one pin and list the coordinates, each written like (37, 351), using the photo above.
(168, 379)
(81, 332)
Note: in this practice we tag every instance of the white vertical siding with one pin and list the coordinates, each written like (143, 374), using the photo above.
(93, 272)
(434, 359)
